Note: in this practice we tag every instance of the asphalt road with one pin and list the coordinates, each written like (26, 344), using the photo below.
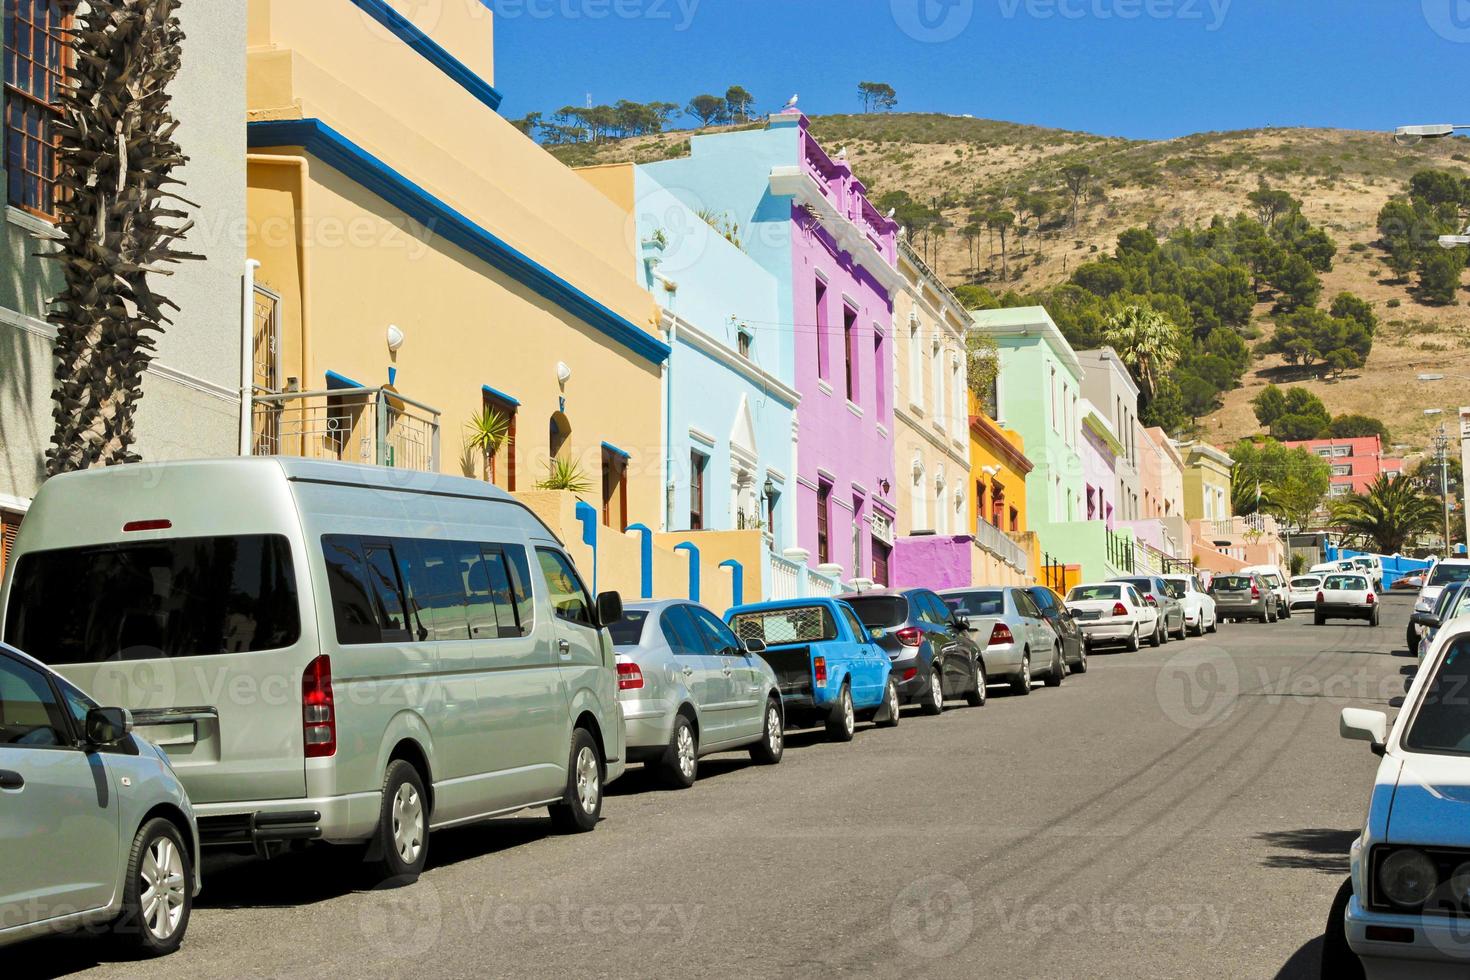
(1180, 812)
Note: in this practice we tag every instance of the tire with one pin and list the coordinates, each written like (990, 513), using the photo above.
(400, 845)
(1133, 642)
(1183, 629)
(1058, 672)
(581, 805)
(1319, 620)
(679, 766)
(772, 746)
(1374, 620)
(889, 714)
(158, 894)
(1157, 640)
(934, 700)
(1411, 639)
(1214, 626)
(1022, 685)
(1339, 962)
(975, 698)
(1080, 667)
(841, 722)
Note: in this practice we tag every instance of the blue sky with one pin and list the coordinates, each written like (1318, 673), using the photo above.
(1138, 68)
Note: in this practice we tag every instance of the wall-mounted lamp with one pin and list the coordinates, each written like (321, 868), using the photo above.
(395, 338)
(769, 490)
(563, 373)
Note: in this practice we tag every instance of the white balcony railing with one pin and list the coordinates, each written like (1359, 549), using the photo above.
(992, 539)
(372, 426)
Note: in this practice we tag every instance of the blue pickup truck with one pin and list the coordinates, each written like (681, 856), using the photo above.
(828, 666)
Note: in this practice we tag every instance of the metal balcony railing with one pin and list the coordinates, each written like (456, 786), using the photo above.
(372, 426)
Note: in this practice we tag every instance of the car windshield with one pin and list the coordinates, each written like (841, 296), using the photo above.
(1306, 582)
(1231, 583)
(1346, 583)
(880, 611)
(1181, 585)
(1089, 593)
(977, 604)
(793, 624)
(1442, 722)
(1447, 574)
(1141, 584)
(1270, 578)
(628, 631)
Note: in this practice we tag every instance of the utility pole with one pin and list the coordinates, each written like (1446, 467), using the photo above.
(1441, 449)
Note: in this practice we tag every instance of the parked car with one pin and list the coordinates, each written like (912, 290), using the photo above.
(1371, 566)
(1445, 572)
(95, 827)
(1242, 595)
(1074, 641)
(1341, 565)
(689, 688)
(934, 658)
(1278, 582)
(1304, 590)
(1114, 612)
(1199, 608)
(829, 667)
(1451, 603)
(1346, 596)
(1401, 912)
(352, 654)
(1156, 592)
(1012, 634)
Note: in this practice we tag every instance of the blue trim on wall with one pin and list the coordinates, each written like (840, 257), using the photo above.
(616, 451)
(431, 51)
(693, 551)
(493, 393)
(645, 558)
(337, 151)
(336, 381)
(737, 581)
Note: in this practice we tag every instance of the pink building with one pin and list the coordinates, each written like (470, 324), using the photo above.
(1356, 463)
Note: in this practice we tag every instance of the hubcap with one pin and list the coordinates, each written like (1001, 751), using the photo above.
(408, 823)
(686, 751)
(589, 781)
(936, 690)
(773, 729)
(162, 901)
(848, 721)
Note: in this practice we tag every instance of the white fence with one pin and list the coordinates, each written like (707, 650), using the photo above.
(788, 578)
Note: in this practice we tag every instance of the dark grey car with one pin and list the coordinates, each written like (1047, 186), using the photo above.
(1158, 591)
(927, 641)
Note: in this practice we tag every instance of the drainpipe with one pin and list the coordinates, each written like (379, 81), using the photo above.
(671, 334)
(303, 218)
(247, 355)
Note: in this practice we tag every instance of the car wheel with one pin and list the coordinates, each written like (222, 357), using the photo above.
(1214, 626)
(772, 746)
(1319, 620)
(1081, 666)
(1133, 641)
(1022, 684)
(934, 701)
(888, 717)
(1339, 962)
(1157, 640)
(976, 696)
(1374, 620)
(1058, 672)
(158, 894)
(400, 846)
(1411, 639)
(680, 763)
(581, 807)
(1183, 629)
(841, 722)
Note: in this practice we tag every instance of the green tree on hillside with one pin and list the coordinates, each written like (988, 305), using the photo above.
(1294, 414)
(708, 109)
(738, 103)
(1145, 341)
(1357, 427)
(1313, 337)
(1295, 282)
(1439, 276)
(1270, 205)
(1077, 177)
(877, 95)
(1292, 482)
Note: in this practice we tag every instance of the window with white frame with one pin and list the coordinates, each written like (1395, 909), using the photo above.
(961, 411)
(916, 363)
(936, 355)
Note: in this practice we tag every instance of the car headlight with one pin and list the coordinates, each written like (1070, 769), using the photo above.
(1408, 878)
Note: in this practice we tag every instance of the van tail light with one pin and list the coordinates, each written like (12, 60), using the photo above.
(154, 525)
(630, 677)
(1255, 591)
(1321, 597)
(910, 636)
(819, 665)
(1119, 609)
(1001, 635)
(318, 712)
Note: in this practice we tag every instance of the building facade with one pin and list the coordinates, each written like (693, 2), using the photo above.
(1102, 453)
(802, 215)
(191, 391)
(1107, 383)
(1207, 472)
(1356, 463)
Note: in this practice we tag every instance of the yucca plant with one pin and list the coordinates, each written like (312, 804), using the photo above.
(486, 433)
(117, 224)
(565, 474)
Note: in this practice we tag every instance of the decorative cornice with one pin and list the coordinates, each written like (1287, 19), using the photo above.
(796, 183)
(743, 366)
(991, 434)
(355, 163)
(404, 29)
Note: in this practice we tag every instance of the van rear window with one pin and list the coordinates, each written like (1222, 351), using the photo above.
(187, 597)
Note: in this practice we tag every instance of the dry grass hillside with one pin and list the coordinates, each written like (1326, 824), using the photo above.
(1342, 177)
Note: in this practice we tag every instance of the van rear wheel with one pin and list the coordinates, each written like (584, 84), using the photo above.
(581, 807)
(400, 848)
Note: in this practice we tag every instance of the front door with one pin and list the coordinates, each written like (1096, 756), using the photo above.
(577, 640)
(742, 711)
(58, 807)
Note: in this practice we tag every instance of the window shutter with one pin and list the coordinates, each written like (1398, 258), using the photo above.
(9, 530)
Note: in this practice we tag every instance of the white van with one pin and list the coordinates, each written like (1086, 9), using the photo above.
(351, 654)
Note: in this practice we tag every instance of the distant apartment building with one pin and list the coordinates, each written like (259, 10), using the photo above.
(1356, 463)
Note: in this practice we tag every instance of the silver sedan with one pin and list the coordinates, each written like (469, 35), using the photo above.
(1015, 639)
(689, 687)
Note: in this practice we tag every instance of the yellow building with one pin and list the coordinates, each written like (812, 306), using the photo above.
(998, 469)
(1207, 473)
(408, 236)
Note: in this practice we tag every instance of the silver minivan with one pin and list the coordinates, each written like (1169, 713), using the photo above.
(357, 655)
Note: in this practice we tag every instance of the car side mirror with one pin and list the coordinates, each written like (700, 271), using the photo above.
(108, 726)
(1425, 619)
(609, 608)
(1363, 725)
(962, 622)
(754, 646)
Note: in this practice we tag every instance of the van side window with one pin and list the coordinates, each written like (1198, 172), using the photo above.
(568, 596)
(387, 591)
(520, 581)
(352, 606)
(492, 600)
(436, 593)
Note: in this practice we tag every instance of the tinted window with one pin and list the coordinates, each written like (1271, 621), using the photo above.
(491, 605)
(1307, 582)
(628, 631)
(1445, 574)
(1348, 583)
(1233, 583)
(436, 589)
(520, 583)
(1088, 593)
(1445, 598)
(978, 603)
(881, 611)
(29, 714)
(793, 624)
(568, 597)
(1442, 723)
(1045, 599)
(853, 626)
(386, 591)
(933, 609)
(1025, 606)
(717, 636)
(680, 633)
(352, 605)
(1141, 584)
(186, 597)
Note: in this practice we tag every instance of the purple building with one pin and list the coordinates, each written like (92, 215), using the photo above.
(801, 213)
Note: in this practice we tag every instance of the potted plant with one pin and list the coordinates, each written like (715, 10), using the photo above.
(485, 433)
(565, 474)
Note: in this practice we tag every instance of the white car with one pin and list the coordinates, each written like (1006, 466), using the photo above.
(1403, 911)
(1199, 605)
(1371, 566)
(1113, 612)
(1304, 590)
(1445, 572)
(1278, 582)
(1346, 595)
